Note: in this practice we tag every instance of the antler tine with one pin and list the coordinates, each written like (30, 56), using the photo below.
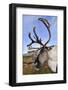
(30, 37)
(49, 36)
(37, 40)
(35, 33)
(32, 41)
(47, 24)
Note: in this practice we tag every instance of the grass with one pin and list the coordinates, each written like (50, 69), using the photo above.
(29, 69)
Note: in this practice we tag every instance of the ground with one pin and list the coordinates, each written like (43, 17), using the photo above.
(29, 69)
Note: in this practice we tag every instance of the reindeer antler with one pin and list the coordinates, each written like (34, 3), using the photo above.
(30, 39)
(37, 40)
(47, 24)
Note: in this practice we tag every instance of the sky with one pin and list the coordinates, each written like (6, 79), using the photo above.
(29, 21)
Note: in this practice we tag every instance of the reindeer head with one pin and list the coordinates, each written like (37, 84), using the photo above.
(44, 48)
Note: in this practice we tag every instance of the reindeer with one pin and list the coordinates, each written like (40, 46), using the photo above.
(44, 54)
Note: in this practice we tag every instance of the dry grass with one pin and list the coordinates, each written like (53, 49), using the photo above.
(29, 69)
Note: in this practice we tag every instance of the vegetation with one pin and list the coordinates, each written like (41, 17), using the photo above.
(29, 69)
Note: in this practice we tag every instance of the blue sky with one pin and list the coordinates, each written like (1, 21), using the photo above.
(29, 21)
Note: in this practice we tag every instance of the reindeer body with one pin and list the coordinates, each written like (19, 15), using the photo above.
(52, 61)
(49, 56)
(45, 53)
